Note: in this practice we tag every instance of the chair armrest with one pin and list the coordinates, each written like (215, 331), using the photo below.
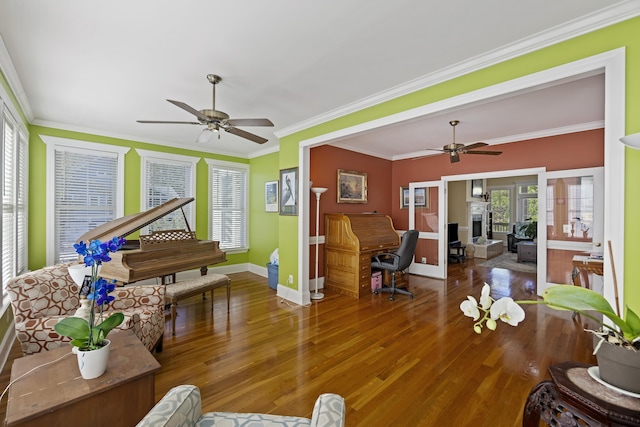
(329, 411)
(138, 296)
(385, 255)
(181, 406)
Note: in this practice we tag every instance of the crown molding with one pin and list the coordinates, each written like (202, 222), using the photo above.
(577, 27)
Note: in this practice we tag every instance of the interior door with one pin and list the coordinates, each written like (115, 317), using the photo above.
(427, 213)
(574, 225)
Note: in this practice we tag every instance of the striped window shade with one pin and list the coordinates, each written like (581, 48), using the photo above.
(228, 200)
(85, 195)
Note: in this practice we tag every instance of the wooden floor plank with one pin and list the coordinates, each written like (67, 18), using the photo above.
(408, 362)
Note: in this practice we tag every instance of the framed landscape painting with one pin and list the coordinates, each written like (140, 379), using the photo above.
(352, 186)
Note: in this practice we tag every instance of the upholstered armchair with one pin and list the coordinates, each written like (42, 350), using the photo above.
(517, 236)
(42, 297)
(182, 407)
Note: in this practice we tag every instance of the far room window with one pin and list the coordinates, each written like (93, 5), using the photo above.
(165, 177)
(527, 209)
(229, 204)
(501, 209)
(84, 190)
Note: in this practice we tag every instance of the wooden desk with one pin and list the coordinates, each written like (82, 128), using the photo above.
(56, 395)
(573, 398)
(583, 265)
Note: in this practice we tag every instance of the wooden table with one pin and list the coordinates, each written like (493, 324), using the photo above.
(583, 264)
(573, 398)
(56, 395)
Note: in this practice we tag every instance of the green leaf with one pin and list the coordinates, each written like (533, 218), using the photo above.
(633, 320)
(574, 298)
(109, 323)
(73, 327)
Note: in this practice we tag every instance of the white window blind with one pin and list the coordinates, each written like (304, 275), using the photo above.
(85, 192)
(14, 197)
(165, 180)
(229, 205)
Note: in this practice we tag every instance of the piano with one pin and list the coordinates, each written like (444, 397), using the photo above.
(159, 254)
(351, 240)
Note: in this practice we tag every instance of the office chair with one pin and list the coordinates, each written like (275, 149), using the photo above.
(398, 261)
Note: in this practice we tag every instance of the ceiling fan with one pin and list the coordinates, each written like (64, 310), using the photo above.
(216, 120)
(454, 150)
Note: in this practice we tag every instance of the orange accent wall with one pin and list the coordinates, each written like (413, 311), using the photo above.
(384, 178)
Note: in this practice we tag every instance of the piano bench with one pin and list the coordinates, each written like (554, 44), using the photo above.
(188, 288)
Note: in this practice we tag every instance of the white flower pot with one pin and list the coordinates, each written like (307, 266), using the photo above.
(93, 363)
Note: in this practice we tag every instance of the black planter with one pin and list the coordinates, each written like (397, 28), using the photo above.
(619, 366)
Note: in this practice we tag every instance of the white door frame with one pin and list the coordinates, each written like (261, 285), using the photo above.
(612, 63)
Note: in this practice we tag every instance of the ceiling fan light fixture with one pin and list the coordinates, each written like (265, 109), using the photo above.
(206, 134)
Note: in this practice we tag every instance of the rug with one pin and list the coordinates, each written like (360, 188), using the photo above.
(508, 261)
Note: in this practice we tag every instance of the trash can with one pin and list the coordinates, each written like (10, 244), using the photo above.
(272, 274)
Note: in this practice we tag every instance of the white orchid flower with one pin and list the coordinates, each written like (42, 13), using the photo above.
(507, 310)
(470, 308)
(485, 299)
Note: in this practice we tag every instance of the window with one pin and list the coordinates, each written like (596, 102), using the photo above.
(527, 209)
(14, 197)
(164, 177)
(501, 209)
(84, 190)
(228, 204)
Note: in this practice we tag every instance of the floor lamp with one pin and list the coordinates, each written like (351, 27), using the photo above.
(317, 191)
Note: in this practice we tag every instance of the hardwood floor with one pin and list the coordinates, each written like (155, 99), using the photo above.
(402, 363)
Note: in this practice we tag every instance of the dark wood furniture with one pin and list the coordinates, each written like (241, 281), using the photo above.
(573, 398)
(527, 252)
(350, 242)
(56, 395)
(159, 254)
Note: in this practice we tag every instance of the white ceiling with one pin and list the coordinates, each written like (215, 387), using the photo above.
(100, 66)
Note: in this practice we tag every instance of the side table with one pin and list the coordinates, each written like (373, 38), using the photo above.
(56, 394)
(573, 398)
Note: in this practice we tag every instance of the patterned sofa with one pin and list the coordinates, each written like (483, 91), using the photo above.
(42, 297)
(182, 407)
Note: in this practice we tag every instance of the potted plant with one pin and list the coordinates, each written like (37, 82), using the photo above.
(88, 335)
(616, 343)
(530, 229)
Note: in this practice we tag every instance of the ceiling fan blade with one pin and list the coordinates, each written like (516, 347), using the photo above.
(475, 145)
(249, 122)
(490, 153)
(246, 135)
(191, 110)
(170, 122)
(454, 157)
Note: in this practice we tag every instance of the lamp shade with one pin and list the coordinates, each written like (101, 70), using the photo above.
(319, 190)
(632, 141)
(205, 136)
(77, 273)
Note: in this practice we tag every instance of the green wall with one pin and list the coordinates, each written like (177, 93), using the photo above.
(37, 186)
(625, 34)
(263, 226)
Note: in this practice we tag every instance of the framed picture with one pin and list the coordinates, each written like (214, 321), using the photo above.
(420, 197)
(271, 196)
(289, 191)
(404, 197)
(352, 186)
